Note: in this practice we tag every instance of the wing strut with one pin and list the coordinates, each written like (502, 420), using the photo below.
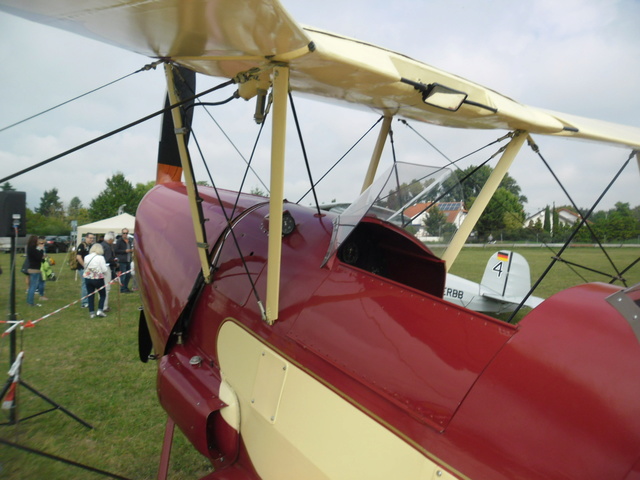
(377, 152)
(276, 189)
(479, 206)
(189, 179)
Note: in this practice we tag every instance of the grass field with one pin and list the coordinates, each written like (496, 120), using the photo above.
(91, 367)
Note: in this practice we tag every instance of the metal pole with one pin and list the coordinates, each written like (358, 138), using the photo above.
(276, 189)
(377, 152)
(12, 316)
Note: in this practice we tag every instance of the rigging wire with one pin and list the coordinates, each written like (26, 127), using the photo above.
(618, 275)
(235, 95)
(228, 221)
(628, 267)
(583, 220)
(249, 168)
(395, 163)
(509, 212)
(56, 458)
(304, 151)
(114, 132)
(235, 148)
(402, 120)
(342, 157)
(450, 189)
(498, 140)
(143, 69)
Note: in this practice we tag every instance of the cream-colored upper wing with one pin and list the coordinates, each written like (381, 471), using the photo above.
(226, 37)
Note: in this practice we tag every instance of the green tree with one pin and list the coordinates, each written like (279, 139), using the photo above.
(118, 192)
(472, 186)
(635, 213)
(503, 213)
(75, 205)
(258, 191)
(7, 187)
(76, 211)
(50, 204)
(620, 223)
(38, 224)
(617, 224)
(506, 207)
(547, 219)
(434, 220)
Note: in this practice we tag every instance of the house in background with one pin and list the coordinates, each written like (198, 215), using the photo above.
(454, 211)
(565, 217)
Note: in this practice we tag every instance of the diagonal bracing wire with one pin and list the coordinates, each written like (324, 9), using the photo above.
(341, 158)
(114, 132)
(618, 275)
(304, 151)
(583, 220)
(534, 147)
(228, 221)
(224, 133)
(143, 69)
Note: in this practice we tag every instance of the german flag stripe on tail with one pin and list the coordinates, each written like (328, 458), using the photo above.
(503, 256)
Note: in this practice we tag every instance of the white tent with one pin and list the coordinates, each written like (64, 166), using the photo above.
(113, 224)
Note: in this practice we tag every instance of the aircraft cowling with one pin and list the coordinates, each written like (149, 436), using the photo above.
(167, 262)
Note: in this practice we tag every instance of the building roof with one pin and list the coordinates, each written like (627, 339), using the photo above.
(450, 209)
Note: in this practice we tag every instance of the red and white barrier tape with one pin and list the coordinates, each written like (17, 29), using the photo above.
(14, 374)
(32, 323)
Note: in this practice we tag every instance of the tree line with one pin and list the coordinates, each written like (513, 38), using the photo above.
(52, 217)
(503, 219)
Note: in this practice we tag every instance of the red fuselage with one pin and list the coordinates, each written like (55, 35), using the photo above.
(555, 397)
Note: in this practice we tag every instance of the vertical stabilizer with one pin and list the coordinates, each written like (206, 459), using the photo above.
(506, 275)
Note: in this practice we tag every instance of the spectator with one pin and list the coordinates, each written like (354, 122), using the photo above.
(124, 248)
(35, 254)
(43, 277)
(81, 252)
(95, 269)
(111, 261)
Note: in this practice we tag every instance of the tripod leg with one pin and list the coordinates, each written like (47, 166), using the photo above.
(56, 405)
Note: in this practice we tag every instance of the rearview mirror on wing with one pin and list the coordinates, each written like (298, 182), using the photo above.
(438, 95)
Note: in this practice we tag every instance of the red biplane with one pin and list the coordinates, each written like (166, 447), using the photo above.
(297, 343)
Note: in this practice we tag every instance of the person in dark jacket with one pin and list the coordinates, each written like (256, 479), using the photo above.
(35, 254)
(124, 249)
(111, 261)
(81, 252)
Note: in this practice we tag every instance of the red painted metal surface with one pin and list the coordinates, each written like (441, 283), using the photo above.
(561, 400)
(554, 398)
(188, 392)
(400, 343)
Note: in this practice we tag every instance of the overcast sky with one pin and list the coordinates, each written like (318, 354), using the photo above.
(576, 56)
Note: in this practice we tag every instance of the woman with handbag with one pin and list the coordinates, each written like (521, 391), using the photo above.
(95, 269)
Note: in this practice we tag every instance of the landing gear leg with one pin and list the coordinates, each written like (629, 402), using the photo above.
(163, 469)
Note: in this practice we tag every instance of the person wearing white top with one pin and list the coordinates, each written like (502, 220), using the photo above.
(95, 269)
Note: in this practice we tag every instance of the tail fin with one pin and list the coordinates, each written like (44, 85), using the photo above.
(507, 277)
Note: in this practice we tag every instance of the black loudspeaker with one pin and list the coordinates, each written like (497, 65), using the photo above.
(13, 204)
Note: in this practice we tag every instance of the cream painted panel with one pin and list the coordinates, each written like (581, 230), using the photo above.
(316, 433)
